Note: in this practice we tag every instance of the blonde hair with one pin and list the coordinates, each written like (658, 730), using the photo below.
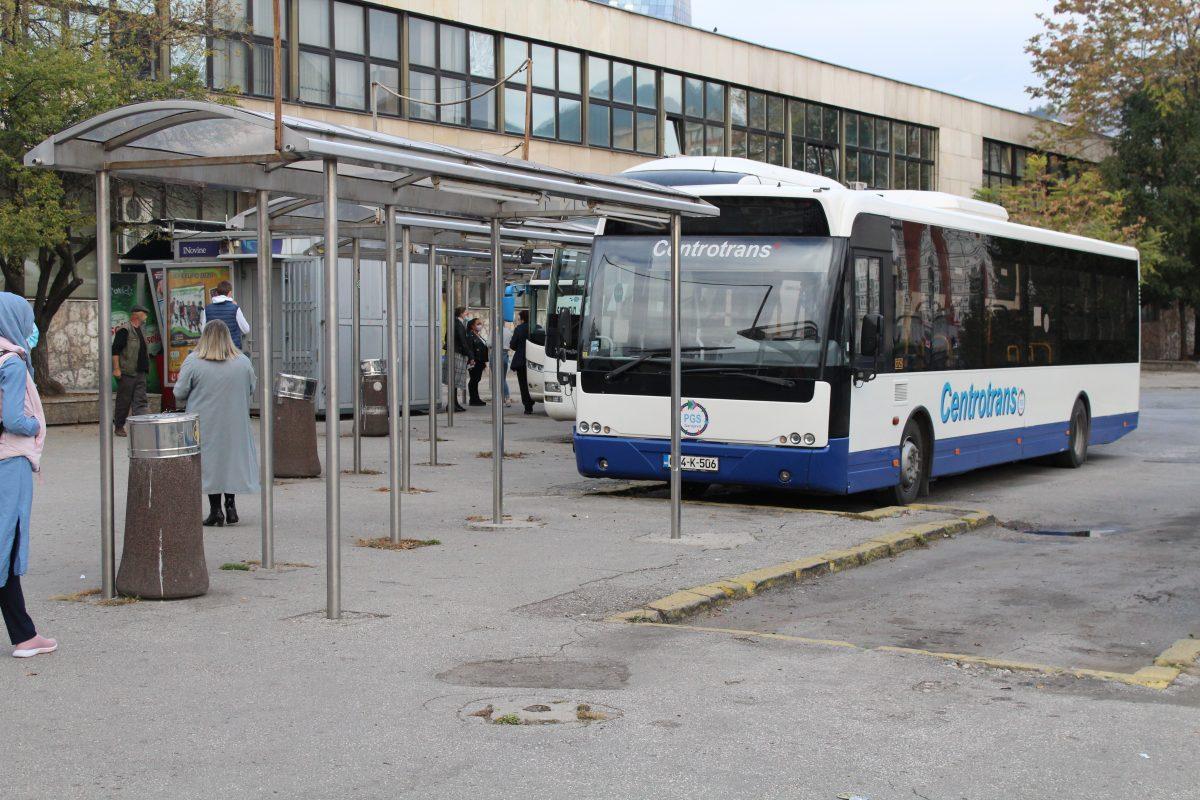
(215, 343)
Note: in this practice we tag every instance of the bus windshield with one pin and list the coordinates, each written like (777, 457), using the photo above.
(746, 301)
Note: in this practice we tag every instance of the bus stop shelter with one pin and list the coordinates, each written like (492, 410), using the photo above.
(202, 143)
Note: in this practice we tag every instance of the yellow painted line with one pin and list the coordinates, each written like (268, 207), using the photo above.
(693, 600)
(1152, 677)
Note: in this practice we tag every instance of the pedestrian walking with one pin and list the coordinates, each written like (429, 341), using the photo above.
(519, 338)
(131, 365)
(22, 435)
(479, 359)
(216, 382)
(223, 308)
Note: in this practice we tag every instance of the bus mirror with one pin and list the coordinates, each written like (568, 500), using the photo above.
(872, 327)
(565, 332)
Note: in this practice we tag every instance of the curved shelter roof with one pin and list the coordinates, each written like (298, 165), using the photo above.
(234, 148)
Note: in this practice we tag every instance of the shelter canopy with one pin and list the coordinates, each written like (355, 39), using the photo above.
(206, 143)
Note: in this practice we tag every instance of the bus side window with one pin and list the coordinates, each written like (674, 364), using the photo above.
(866, 293)
(911, 308)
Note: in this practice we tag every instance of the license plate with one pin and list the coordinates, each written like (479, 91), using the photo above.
(694, 463)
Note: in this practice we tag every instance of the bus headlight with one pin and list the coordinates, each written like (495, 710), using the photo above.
(583, 427)
(796, 438)
(552, 386)
(809, 439)
(595, 427)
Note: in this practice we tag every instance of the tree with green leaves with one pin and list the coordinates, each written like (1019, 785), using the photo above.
(58, 68)
(1130, 70)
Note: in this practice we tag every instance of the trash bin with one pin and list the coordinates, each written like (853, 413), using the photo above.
(374, 397)
(163, 557)
(295, 432)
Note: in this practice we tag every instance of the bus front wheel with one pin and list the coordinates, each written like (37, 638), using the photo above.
(1077, 442)
(914, 464)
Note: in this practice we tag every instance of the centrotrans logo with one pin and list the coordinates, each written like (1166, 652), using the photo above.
(725, 249)
(972, 403)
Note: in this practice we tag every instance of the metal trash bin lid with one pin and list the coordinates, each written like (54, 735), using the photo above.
(296, 387)
(372, 367)
(163, 435)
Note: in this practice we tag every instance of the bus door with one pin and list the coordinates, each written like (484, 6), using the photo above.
(869, 289)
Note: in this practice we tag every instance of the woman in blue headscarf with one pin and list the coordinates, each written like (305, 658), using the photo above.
(22, 434)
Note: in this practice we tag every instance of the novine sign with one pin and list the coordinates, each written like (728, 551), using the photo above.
(972, 403)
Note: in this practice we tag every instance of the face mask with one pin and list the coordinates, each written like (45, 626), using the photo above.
(33, 339)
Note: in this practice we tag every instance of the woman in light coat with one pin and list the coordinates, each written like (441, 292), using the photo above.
(216, 381)
(22, 434)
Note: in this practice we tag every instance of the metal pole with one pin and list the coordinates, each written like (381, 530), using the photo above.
(528, 108)
(395, 465)
(333, 453)
(356, 347)
(451, 323)
(266, 408)
(434, 383)
(277, 76)
(104, 250)
(676, 381)
(406, 356)
(497, 389)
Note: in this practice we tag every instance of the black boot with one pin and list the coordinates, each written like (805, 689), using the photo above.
(231, 516)
(215, 517)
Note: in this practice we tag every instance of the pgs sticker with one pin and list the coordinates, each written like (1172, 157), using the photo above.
(693, 418)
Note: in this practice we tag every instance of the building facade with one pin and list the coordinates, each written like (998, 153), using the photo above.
(609, 89)
(671, 10)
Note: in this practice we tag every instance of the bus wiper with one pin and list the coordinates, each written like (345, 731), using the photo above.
(783, 332)
(785, 382)
(655, 353)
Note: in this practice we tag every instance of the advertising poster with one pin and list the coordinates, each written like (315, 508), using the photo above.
(130, 289)
(187, 293)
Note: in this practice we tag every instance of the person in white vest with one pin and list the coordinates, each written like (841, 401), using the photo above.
(223, 308)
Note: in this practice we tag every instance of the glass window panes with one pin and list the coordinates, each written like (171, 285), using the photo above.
(926, 145)
(622, 125)
(737, 107)
(314, 77)
(314, 22)
(714, 140)
(384, 34)
(569, 120)
(422, 86)
(569, 80)
(758, 147)
(386, 102)
(229, 64)
(914, 175)
(422, 42)
(914, 141)
(739, 144)
(714, 102)
(453, 55)
(775, 119)
(883, 136)
(483, 54)
(758, 110)
(264, 18)
(926, 177)
(647, 92)
(454, 89)
(796, 112)
(899, 139)
(351, 84)
(866, 171)
(543, 67)
(598, 125)
(622, 85)
(851, 168)
(672, 93)
(866, 132)
(693, 97)
(598, 79)
(647, 133)
(515, 53)
(851, 130)
(348, 28)
(264, 69)
(831, 125)
(514, 111)
(483, 107)
(775, 151)
(671, 137)
(812, 123)
(693, 139)
(882, 172)
(543, 116)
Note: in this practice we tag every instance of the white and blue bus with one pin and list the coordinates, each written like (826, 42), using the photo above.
(840, 341)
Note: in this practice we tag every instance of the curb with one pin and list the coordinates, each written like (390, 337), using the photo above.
(689, 602)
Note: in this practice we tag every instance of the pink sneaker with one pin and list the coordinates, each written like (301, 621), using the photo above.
(35, 647)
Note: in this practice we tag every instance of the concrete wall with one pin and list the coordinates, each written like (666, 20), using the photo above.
(962, 124)
(1160, 337)
(74, 357)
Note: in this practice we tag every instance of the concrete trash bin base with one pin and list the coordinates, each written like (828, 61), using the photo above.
(295, 431)
(163, 556)
(374, 398)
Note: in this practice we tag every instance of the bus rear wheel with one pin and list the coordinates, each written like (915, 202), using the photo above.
(914, 464)
(1077, 442)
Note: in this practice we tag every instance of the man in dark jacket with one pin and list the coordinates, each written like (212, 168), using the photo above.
(131, 364)
(517, 345)
(463, 358)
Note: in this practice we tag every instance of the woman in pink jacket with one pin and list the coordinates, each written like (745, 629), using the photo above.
(22, 433)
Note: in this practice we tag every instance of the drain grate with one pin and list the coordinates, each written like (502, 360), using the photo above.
(1021, 526)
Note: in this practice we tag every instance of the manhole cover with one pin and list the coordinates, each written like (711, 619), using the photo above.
(514, 711)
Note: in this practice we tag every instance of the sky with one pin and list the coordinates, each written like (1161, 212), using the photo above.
(971, 48)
